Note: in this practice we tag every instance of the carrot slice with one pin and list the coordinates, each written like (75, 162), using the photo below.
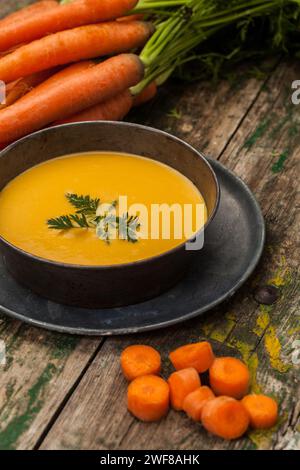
(73, 45)
(138, 360)
(263, 411)
(148, 398)
(182, 383)
(194, 402)
(197, 355)
(225, 417)
(146, 95)
(229, 376)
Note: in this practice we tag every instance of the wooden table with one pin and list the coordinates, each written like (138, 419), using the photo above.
(67, 392)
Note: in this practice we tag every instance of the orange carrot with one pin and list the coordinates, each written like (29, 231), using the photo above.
(182, 383)
(229, 376)
(138, 360)
(146, 95)
(23, 86)
(263, 411)
(225, 417)
(9, 51)
(68, 16)
(73, 45)
(113, 109)
(136, 17)
(26, 12)
(63, 75)
(58, 98)
(194, 402)
(148, 398)
(197, 355)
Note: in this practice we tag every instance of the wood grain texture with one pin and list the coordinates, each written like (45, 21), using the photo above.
(60, 392)
(240, 327)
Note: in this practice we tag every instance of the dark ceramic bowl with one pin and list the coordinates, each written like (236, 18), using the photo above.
(104, 286)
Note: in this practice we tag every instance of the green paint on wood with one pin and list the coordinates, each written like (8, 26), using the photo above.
(222, 330)
(64, 345)
(19, 424)
(293, 130)
(279, 165)
(258, 133)
(263, 438)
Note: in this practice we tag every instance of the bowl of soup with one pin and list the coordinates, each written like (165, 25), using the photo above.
(103, 214)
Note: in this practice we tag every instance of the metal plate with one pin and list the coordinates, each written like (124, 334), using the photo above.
(233, 245)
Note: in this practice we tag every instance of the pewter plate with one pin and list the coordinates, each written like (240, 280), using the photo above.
(233, 245)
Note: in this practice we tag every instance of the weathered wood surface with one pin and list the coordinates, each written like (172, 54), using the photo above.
(60, 392)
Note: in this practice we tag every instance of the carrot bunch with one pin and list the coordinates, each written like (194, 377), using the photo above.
(46, 53)
(224, 409)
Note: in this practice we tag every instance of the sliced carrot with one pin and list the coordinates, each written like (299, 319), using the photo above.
(113, 109)
(77, 44)
(197, 355)
(229, 376)
(182, 383)
(63, 17)
(263, 411)
(148, 398)
(225, 417)
(58, 98)
(138, 360)
(146, 95)
(194, 402)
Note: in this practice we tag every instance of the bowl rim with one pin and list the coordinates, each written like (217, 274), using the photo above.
(130, 263)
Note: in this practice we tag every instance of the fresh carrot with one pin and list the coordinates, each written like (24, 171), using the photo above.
(20, 87)
(225, 417)
(197, 355)
(63, 17)
(58, 98)
(26, 12)
(13, 49)
(138, 360)
(229, 376)
(263, 411)
(65, 74)
(146, 95)
(113, 109)
(136, 17)
(182, 383)
(148, 398)
(71, 46)
(194, 402)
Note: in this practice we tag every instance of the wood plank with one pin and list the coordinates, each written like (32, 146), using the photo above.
(95, 417)
(59, 384)
(41, 371)
(44, 369)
